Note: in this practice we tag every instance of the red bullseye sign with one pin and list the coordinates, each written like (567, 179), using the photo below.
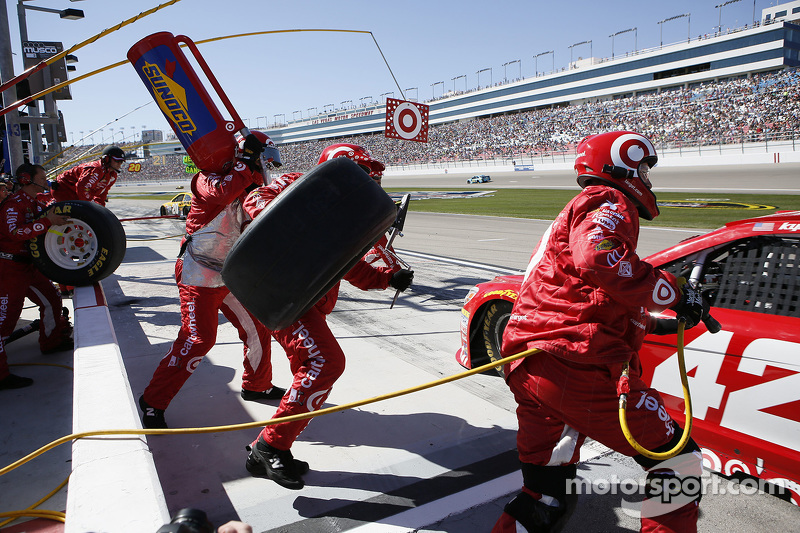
(406, 120)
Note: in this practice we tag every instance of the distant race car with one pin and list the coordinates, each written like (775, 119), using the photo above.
(179, 205)
(744, 380)
(483, 178)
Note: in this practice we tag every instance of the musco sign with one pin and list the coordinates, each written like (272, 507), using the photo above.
(33, 53)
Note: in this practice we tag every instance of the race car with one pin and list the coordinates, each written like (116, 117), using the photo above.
(744, 380)
(482, 178)
(179, 205)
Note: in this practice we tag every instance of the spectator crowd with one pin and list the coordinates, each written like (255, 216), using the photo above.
(746, 109)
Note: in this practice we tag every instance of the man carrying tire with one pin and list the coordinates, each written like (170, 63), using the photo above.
(215, 221)
(90, 181)
(24, 217)
(315, 357)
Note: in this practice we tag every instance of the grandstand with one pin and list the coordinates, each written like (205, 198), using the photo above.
(717, 89)
(708, 58)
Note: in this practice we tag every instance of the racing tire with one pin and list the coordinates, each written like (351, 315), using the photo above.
(86, 250)
(163, 211)
(306, 240)
(492, 326)
(185, 212)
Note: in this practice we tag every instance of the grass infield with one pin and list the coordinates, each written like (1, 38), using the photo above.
(680, 210)
(693, 210)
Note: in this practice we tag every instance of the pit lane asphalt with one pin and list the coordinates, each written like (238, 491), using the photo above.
(439, 460)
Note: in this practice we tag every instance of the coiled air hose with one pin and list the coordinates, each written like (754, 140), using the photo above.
(623, 389)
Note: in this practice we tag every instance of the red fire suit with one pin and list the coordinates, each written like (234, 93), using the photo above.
(315, 357)
(214, 223)
(585, 302)
(21, 221)
(89, 181)
(379, 252)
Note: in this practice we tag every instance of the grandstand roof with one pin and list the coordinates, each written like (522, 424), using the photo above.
(709, 57)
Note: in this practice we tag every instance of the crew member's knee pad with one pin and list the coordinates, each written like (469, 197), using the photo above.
(675, 479)
(550, 480)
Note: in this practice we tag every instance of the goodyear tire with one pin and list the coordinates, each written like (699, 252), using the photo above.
(163, 211)
(186, 212)
(87, 249)
(494, 323)
(306, 240)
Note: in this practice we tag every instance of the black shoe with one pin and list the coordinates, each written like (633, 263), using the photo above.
(274, 464)
(152, 418)
(257, 469)
(275, 393)
(12, 381)
(537, 516)
(66, 345)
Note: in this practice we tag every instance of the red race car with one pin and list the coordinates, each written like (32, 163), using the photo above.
(745, 380)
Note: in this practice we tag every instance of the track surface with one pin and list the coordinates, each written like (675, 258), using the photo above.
(438, 460)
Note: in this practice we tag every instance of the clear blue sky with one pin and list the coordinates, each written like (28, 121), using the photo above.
(424, 42)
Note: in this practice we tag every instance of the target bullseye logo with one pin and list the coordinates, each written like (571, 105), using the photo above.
(629, 150)
(406, 120)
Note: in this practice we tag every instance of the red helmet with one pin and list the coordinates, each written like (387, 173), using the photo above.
(615, 158)
(356, 153)
(270, 157)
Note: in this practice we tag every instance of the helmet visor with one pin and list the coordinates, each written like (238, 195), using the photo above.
(271, 157)
(644, 173)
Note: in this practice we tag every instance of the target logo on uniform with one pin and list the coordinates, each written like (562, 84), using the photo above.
(406, 120)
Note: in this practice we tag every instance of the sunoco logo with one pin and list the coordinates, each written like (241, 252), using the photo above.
(171, 98)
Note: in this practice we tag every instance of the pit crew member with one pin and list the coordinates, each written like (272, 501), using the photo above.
(214, 222)
(90, 181)
(315, 357)
(585, 302)
(23, 217)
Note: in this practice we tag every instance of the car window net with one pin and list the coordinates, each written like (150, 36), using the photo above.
(763, 279)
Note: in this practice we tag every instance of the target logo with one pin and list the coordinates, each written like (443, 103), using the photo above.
(629, 150)
(406, 120)
(663, 293)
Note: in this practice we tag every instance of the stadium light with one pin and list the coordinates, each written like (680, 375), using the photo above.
(479, 76)
(345, 102)
(688, 32)
(315, 111)
(720, 6)
(458, 78)
(505, 78)
(326, 107)
(536, 61)
(414, 89)
(275, 118)
(361, 100)
(433, 88)
(589, 42)
(635, 39)
(297, 111)
(68, 14)
(385, 94)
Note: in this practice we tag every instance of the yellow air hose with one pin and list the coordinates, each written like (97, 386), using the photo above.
(623, 403)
